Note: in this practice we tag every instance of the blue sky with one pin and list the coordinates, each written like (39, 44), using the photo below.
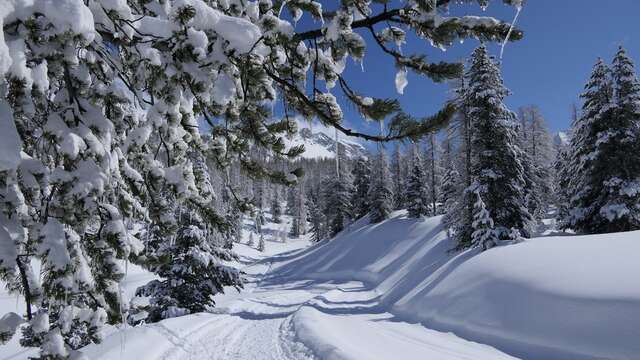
(563, 39)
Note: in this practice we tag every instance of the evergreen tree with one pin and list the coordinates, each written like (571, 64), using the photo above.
(194, 274)
(361, 181)
(605, 167)
(497, 171)
(484, 234)
(416, 192)
(380, 193)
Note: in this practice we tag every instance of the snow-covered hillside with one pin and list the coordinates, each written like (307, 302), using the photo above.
(572, 297)
(395, 290)
(276, 318)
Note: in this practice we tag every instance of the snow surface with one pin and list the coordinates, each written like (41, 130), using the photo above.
(562, 297)
(395, 290)
(273, 319)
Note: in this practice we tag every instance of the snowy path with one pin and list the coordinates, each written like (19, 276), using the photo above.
(289, 321)
(273, 319)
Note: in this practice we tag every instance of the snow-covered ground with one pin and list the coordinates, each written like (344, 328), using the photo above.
(555, 297)
(394, 290)
(276, 320)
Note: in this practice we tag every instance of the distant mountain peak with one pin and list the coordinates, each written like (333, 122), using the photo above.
(319, 145)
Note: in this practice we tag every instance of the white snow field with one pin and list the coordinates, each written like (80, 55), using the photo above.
(561, 297)
(394, 290)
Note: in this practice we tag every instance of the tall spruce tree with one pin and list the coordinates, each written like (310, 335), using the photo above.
(597, 108)
(605, 165)
(498, 176)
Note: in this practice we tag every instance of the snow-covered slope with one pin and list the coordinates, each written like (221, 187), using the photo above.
(279, 320)
(394, 290)
(571, 297)
(319, 144)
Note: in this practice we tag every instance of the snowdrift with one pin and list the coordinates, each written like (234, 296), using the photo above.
(571, 297)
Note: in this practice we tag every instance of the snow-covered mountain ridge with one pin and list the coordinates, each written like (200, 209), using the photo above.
(318, 144)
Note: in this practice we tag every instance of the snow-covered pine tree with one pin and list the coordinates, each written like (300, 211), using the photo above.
(597, 104)
(192, 272)
(605, 165)
(416, 192)
(621, 142)
(380, 190)
(561, 183)
(361, 179)
(562, 191)
(496, 168)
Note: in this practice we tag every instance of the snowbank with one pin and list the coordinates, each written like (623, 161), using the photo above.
(393, 257)
(570, 297)
(349, 337)
(554, 297)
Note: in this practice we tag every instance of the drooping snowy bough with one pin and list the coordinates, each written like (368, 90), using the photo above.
(101, 157)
